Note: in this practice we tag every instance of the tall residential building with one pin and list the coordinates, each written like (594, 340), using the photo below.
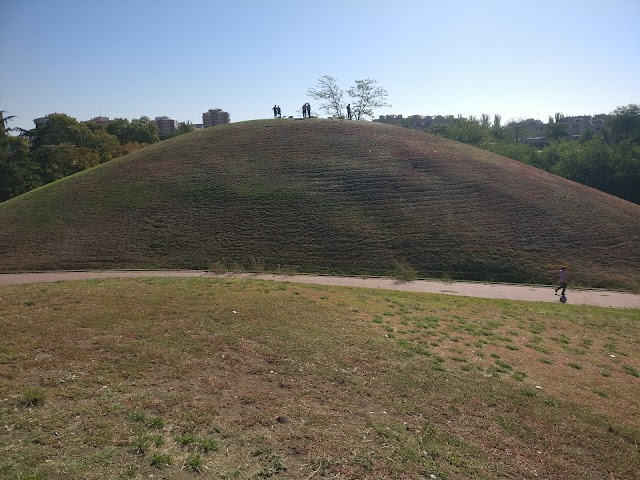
(166, 126)
(215, 117)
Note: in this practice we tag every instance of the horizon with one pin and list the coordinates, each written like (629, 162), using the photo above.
(327, 117)
(125, 60)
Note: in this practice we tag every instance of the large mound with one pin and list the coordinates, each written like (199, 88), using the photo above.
(324, 196)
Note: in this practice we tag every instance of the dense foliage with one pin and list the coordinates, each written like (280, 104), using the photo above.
(63, 147)
(608, 160)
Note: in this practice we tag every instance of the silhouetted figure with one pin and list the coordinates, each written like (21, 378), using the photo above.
(562, 280)
(349, 111)
(308, 110)
(275, 111)
(279, 112)
(304, 111)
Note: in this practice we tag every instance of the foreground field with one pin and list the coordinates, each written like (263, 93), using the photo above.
(247, 379)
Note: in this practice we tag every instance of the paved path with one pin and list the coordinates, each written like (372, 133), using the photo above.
(531, 293)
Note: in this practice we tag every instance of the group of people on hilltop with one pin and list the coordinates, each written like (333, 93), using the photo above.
(306, 110)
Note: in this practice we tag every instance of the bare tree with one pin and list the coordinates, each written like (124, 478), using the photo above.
(367, 97)
(328, 91)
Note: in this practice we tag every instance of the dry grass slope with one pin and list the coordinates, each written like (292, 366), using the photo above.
(132, 379)
(329, 197)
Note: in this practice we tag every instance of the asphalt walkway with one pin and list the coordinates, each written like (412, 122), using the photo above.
(530, 293)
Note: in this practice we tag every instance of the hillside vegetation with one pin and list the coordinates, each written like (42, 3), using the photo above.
(324, 196)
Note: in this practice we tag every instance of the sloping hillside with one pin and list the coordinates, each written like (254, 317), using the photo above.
(324, 196)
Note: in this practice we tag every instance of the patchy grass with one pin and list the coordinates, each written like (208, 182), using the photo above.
(247, 379)
(32, 397)
(324, 197)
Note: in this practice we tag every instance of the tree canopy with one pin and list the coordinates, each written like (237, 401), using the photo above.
(608, 160)
(138, 130)
(64, 146)
(365, 97)
(330, 93)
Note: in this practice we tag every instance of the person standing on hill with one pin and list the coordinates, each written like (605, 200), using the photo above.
(275, 111)
(279, 112)
(349, 111)
(304, 111)
(308, 110)
(562, 279)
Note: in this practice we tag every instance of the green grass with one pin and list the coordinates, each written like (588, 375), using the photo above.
(160, 460)
(33, 397)
(247, 379)
(194, 463)
(324, 197)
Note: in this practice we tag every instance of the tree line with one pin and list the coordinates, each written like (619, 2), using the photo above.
(64, 146)
(608, 160)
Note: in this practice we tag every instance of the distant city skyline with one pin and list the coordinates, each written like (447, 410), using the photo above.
(158, 58)
(226, 118)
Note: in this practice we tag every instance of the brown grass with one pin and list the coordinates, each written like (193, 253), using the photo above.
(269, 380)
(328, 197)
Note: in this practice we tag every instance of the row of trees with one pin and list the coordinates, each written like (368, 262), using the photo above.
(364, 95)
(65, 146)
(608, 160)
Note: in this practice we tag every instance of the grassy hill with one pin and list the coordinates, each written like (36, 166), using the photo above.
(324, 196)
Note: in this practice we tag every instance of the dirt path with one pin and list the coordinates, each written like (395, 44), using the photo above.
(603, 298)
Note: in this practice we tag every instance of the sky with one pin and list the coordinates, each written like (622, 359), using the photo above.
(129, 58)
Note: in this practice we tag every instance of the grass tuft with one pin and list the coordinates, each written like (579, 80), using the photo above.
(33, 397)
(207, 445)
(185, 439)
(160, 460)
(194, 463)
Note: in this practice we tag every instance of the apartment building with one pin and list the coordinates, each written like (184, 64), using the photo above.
(419, 122)
(576, 126)
(215, 117)
(166, 126)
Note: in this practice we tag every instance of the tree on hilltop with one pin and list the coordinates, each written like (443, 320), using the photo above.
(329, 92)
(367, 97)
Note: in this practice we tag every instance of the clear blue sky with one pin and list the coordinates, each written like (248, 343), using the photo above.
(128, 58)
